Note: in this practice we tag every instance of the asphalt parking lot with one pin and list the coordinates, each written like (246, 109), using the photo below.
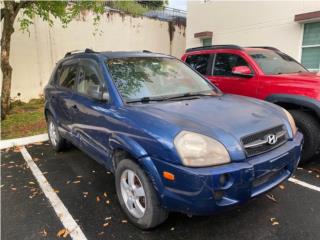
(290, 211)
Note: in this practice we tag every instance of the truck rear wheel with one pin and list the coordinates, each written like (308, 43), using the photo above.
(310, 127)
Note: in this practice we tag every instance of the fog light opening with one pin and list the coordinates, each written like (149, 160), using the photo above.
(223, 179)
(218, 195)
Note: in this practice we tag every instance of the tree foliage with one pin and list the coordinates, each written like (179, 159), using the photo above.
(153, 4)
(136, 8)
(66, 11)
(61, 10)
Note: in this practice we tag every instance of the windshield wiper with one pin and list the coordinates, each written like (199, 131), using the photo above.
(191, 94)
(165, 98)
(147, 99)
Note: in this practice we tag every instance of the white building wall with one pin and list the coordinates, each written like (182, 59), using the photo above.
(250, 23)
(34, 54)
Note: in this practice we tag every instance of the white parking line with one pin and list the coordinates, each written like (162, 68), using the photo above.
(304, 184)
(62, 212)
(23, 141)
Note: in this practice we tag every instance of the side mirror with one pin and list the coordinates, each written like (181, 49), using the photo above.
(242, 71)
(98, 93)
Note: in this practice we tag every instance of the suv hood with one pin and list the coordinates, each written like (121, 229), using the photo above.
(302, 78)
(227, 118)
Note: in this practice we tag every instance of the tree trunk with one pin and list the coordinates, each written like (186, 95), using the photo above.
(9, 15)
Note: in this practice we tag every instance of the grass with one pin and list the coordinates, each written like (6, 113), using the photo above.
(24, 119)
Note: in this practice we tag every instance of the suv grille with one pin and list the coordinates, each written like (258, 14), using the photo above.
(264, 141)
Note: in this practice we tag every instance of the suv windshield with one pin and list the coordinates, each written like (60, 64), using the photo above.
(155, 78)
(273, 62)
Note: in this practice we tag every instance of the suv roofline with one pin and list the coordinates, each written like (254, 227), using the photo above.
(88, 51)
(227, 46)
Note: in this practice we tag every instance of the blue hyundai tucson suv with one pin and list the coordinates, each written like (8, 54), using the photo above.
(173, 140)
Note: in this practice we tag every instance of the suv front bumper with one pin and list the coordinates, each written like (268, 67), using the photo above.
(203, 191)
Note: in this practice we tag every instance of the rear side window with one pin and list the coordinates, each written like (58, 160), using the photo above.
(199, 62)
(224, 63)
(68, 76)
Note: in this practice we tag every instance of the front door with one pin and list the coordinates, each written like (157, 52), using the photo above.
(92, 117)
(222, 75)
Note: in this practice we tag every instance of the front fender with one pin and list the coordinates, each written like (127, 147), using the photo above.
(125, 143)
(129, 145)
(297, 100)
(153, 173)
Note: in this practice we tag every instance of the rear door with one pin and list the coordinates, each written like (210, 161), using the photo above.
(61, 100)
(202, 63)
(221, 75)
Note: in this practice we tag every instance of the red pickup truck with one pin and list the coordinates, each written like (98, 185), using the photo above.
(268, 74)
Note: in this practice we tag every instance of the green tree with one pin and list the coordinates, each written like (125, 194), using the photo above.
(65, 11)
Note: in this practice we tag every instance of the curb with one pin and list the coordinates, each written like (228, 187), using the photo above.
(23, 141)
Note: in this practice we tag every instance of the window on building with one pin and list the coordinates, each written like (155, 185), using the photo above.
(225, 62)
(199, 62)
(311, 46)
(207, 42)
(68, 76)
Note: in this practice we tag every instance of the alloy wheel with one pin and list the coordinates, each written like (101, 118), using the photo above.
(53, 135)
(133, 193)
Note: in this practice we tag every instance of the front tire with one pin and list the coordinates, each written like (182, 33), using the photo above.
(137, 196)
(310, 128)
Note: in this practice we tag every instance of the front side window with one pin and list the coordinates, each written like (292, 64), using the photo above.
(88, 79)
(311, 46)
(199, 62)
(224, 63)
(68, 76)
(151, 77)
(272, 62)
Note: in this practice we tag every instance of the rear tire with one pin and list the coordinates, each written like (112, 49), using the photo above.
(57, 142)
(310, 127)
(152, 213)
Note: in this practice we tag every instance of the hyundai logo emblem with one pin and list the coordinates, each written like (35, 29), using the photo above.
(271, 139)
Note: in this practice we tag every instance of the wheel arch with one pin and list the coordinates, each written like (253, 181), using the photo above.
(296, 102)
(122, 145)
(48, 111)
(126, 147)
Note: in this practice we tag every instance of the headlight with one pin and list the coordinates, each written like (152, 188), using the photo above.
(197, 150)
(292, 122)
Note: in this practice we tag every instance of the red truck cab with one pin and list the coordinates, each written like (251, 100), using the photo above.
(268, 74)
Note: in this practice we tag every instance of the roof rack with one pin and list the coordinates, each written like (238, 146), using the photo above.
(87, 50)
(146, 51)
(214, 47)
(266, 47)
